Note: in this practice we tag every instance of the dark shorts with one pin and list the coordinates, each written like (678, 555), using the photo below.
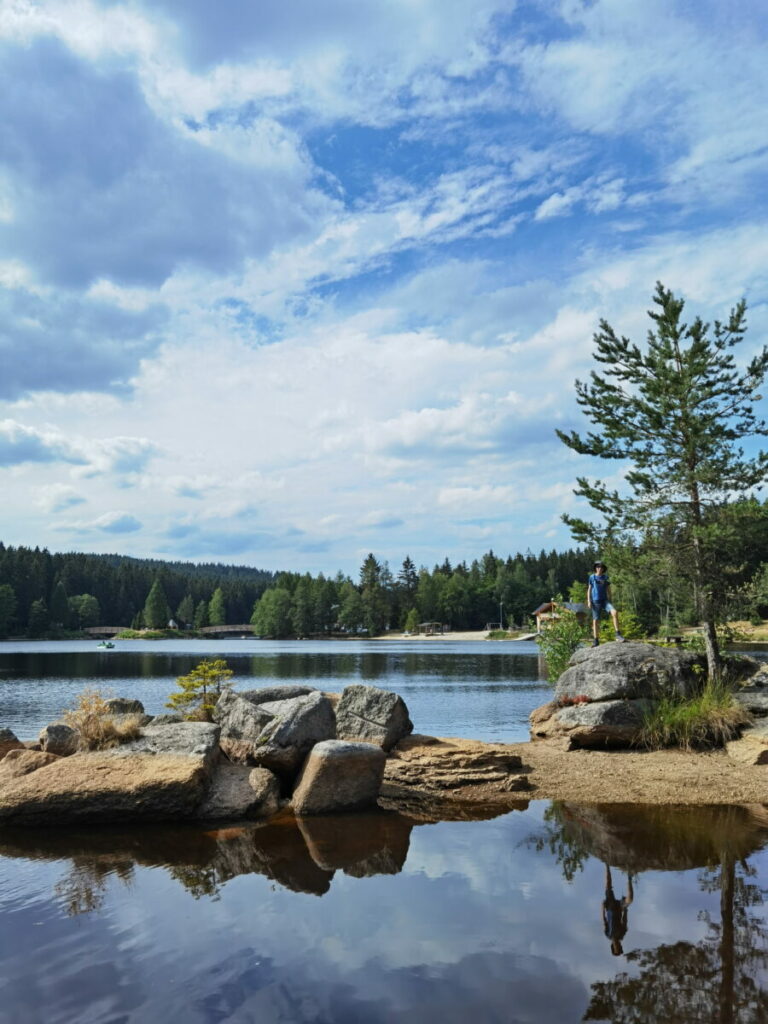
(599, 607)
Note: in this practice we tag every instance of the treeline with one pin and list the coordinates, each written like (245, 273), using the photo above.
(461, 596)
(42, 592)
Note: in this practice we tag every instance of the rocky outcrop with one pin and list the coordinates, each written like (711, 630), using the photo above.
(371, 715)
(237, 791)
(432, 778)
(8, 742)
(339, 776)
(286, 691)
(630, 671)
(125, 706)
(603, 697)
(753, 698)
(101, 787)
(58, 738)
(241, 724)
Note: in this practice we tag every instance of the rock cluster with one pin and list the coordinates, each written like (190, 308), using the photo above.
(265, 749)
(602, 698)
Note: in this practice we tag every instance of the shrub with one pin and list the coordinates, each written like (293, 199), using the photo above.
(199, 691)
(709, 719)
(98, 727)
(558, 642)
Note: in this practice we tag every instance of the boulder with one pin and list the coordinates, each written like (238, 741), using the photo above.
(372, 715)
(99, 787)
(599, 725)
(276, 735)
(8, 742)
(22, 762)
(196, 740)
(298, 724)
(280, 692)
(238, 791)
(241, 724)
(125, 706)
(751, 747)
(633, 670)
(753, 699)
(58, 738)
(339, 776)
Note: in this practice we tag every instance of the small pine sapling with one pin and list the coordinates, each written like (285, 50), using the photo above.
(200, 689)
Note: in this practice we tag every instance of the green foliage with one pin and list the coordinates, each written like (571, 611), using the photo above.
(631, 627)
(200, 620)
(217, 610)
(84, 611)
(185, 613)
(412, 621)
(7, 607)
(59, 611)
(272, 614)
(200, 689)
(38, 618)
(708, 719)
(498, 634)
(156, 610)
(676, 410)
(559, 640)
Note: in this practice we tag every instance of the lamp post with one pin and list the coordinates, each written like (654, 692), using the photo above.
(501, 616)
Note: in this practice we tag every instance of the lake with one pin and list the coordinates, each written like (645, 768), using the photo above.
(550, 913)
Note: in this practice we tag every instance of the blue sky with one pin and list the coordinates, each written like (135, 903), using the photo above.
(284, 282)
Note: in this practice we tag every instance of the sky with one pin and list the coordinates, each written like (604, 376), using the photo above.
(285, 282)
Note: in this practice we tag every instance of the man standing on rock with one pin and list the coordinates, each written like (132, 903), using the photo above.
(599, 601)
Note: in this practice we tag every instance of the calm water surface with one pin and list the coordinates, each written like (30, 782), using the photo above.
(481, 690)
(551, 913)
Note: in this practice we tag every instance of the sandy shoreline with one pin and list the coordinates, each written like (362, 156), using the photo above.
(653, 777)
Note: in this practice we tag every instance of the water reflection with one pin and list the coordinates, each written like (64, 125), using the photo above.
(719, 979)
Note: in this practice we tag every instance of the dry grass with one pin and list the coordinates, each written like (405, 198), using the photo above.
(97, 726)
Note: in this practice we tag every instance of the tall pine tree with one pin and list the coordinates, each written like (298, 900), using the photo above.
(676, 410)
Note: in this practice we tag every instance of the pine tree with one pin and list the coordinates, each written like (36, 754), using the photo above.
(201, 615)
(59, 606)
(217, 611)
(185, 613)
(156, 610)
(199, 691)
(676, 409)
(7, 607)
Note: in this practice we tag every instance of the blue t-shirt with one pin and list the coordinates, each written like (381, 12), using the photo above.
(598, 588)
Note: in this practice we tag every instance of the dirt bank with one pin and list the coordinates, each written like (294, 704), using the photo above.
(656, 777)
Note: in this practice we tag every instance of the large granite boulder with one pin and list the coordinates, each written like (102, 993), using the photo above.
(277, 734)
(633, 670)
(371, 715)
(8, 742)
(99, 787)
(238, 791)
(241, 724)
(58, 738)
(196, 740)
(597, 725)
(339, 776)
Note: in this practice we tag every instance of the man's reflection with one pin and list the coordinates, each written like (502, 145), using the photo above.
(615, 912)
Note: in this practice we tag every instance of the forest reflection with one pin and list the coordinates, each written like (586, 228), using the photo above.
(719, 979)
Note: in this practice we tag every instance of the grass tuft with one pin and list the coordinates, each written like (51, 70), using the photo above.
(98, 727)
(707, 720)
